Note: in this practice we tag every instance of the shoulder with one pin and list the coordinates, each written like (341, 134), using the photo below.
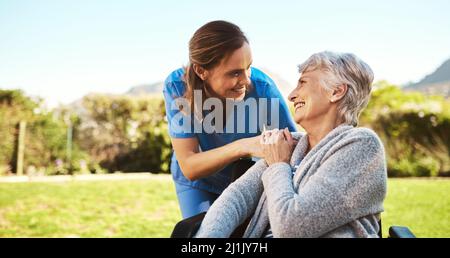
(262, 82)
(260, 78)
(363, 132)
(174, 83)
(175, 76)
(366, 138)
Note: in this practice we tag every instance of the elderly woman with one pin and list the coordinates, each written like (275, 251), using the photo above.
(328, 182)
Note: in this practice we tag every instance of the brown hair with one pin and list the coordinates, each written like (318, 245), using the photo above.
(209, 45)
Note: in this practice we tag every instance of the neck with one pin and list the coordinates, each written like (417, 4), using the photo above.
(320, 127)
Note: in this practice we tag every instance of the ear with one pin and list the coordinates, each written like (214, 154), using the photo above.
(339, 92)
(201, 72)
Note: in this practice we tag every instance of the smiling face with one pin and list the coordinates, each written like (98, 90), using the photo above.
(231, 78)
(311, 100)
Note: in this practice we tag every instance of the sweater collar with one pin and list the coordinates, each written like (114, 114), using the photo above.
(299, 152)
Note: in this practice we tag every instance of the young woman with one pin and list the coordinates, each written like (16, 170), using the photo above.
(219, 73)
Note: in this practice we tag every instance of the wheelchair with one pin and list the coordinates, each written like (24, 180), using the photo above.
(187, 228)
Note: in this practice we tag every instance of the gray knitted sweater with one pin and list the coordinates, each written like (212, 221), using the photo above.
(337, 190)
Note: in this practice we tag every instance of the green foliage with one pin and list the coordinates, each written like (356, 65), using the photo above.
(112, 133)
(45, 138)
(125, 133)
(414, 129)
(14, 107)
(426, 166)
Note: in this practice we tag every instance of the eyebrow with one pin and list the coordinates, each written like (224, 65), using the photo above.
(302, 78)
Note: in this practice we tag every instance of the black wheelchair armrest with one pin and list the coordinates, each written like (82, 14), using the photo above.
(188, 227)
(400, 232)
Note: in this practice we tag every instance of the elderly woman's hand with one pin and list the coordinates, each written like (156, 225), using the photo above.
(277, 146)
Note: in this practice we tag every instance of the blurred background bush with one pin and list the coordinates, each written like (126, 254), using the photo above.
(414, 128)
(110, 133)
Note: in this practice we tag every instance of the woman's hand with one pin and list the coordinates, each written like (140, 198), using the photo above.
(251, 146)
(277, 146)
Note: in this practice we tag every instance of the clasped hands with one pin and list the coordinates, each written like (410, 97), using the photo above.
(277, 145)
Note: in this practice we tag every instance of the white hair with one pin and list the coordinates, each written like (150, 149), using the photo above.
(344, 68)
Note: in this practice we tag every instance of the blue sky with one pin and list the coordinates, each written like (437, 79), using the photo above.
(62, 50)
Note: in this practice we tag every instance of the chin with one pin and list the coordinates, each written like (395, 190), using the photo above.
(240, 98)
(298, 120)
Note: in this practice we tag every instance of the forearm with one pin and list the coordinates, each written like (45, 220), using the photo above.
(234, 205)
(281, 199)
(202, 164)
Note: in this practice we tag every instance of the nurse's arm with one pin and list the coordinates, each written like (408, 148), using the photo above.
(197, 164)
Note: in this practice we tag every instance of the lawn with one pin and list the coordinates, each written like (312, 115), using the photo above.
(149, 208)
(421, 204)
(133, 208)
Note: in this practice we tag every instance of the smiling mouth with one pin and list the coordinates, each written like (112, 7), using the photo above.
(299, 104)
(239, 89)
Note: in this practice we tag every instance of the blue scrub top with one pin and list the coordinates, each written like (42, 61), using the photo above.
(264, 89)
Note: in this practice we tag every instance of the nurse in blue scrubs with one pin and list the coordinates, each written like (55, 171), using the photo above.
(216, 108)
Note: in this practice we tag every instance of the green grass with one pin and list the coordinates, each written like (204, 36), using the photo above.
(421, 204)
(149, 208)
(89, 209)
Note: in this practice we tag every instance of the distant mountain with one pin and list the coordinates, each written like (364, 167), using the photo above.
(436, 83)
(146, 89)
(442, 74)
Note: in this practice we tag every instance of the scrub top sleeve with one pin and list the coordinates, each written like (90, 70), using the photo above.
(180, 125)
(285, 116)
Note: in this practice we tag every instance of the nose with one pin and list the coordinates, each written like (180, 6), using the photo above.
(246, 78)
(292, 96)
